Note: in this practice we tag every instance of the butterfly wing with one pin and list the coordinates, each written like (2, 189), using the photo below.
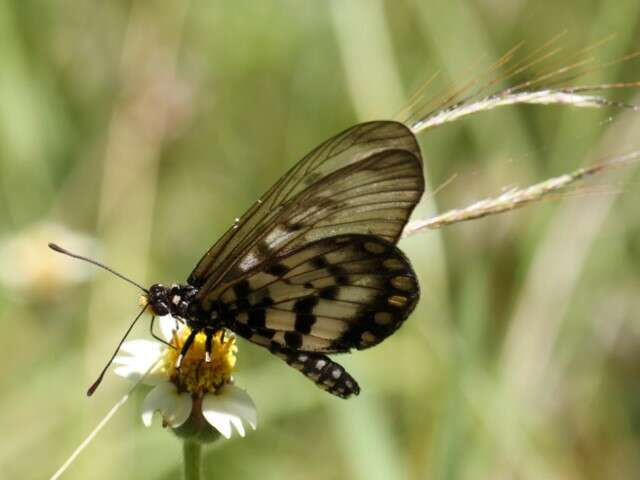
(312, 267)
(332, 295)
(366, 180)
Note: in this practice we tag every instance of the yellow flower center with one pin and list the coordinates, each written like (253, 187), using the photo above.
(196, 375)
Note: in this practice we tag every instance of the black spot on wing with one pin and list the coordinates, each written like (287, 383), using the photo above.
(265, 301)
(319, 262)
(242, 289)
(242, 329)
(329, 293)
(293, 340)
(277, 270)
(304, 322)
(305, 305)
(295, 226)
(266, 332)
(339, 274)
(257, 318)
(242, 304)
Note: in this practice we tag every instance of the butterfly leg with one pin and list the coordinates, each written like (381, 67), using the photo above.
(161, 340)
(208, 345)
(186, 346)
(320, 369)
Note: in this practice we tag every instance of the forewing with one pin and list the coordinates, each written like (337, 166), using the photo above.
(333, 295)
(365, 180)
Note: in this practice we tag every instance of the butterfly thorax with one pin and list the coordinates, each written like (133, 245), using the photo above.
(175, 300)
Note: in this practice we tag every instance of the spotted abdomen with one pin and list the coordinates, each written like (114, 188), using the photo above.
(320, 369)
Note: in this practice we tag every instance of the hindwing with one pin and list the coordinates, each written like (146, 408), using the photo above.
(332, 295)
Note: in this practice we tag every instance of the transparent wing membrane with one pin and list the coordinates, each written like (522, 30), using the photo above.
(366, 179)
(312, 268)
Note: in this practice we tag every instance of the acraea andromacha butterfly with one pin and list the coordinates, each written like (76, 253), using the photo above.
(312, 268)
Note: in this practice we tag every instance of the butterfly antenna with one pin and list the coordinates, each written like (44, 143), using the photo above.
(95, 384)
(59, 249)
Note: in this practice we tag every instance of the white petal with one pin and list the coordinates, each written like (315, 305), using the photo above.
(238, 402)
(153, 378)
(142, 355)
(156, 400)
(219, 421)
(164, 398)
(229, 407)
(237, 423)
(130, 373)
(129, 361)
(142, 348)
(125, 371)
(134, 371)
(166, 324)
(182, 410)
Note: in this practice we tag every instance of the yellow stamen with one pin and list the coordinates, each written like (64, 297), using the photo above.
(196, 375)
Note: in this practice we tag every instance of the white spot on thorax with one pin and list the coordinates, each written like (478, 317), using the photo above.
(175, 299)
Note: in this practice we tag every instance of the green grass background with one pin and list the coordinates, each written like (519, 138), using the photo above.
(151, 125)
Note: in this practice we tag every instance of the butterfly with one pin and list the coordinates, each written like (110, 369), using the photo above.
(312, 268)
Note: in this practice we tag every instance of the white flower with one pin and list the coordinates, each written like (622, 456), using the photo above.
(199, 395)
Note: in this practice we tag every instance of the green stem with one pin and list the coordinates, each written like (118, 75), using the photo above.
(192, 453)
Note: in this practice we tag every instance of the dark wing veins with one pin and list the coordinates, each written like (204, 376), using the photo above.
(312, 268)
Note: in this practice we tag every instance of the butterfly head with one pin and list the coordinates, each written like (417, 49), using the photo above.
(158, 299)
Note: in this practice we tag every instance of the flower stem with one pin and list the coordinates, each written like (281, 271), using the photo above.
(192, 454)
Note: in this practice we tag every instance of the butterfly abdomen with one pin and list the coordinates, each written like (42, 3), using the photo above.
(320, 369)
